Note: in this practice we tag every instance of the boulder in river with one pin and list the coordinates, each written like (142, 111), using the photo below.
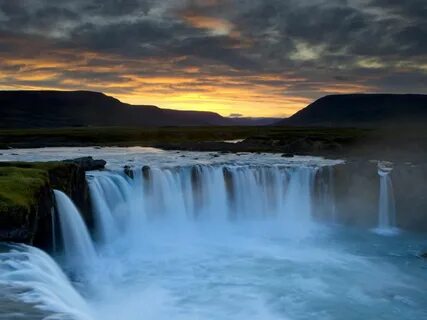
(88, 163)
(128, 171)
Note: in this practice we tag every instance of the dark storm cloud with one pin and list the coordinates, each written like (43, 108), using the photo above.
(299, 47)
(127, 38)
(117, 7)
(415, 9)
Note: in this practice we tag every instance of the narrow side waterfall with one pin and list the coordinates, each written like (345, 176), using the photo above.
(201, 192)
(386, 204)
(78, 246)
(30, 276)
(188, 235)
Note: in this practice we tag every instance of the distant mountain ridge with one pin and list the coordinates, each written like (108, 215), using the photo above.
(362, 110)
(49, 109)
(44, 109)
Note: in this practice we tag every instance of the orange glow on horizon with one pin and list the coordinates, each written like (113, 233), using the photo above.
(225, 91)
(265, 106)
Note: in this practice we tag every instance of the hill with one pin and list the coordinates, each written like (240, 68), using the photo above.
(48, 109)
(362, 110)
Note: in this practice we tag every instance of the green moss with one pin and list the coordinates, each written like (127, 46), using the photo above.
(33, 165)
(20, 182)
(25, 198)
(20, 186)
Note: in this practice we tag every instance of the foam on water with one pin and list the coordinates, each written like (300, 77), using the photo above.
(252, 270)
(29, 275)
(117, 157)
(214, 239)
(216, 193)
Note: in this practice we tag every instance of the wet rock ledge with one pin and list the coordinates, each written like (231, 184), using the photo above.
(27, 201)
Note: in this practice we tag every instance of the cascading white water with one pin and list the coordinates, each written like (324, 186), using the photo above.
(32, 277)
(386, 204)
(78, 246)
(53, 221)
(202, 192)
(116, 203)
(325, 196)
(204, 237)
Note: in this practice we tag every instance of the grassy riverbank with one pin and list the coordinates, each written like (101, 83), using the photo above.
(113, 136)
(26, 198)
(19, 186)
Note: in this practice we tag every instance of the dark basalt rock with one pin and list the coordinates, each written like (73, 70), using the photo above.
(410, 192)
(31, 225)
(128, 171)
(287, 155)
(356, 192)
(146, 172)
(43, 212)
(30, 221)
(356, 187)
(88, 163)
(146, 175)
(197, 187)
(21, 234)
(71, 179)
(229, 183)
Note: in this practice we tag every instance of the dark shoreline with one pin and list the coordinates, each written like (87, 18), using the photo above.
(399, 144)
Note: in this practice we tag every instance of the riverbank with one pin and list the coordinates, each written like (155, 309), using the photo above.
(393, 144)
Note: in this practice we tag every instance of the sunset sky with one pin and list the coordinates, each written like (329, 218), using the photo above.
(240, 57)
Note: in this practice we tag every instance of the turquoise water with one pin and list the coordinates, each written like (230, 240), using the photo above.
(253, 271)
(223, 238)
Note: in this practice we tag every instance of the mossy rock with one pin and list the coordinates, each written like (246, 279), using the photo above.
(19, 186)
(56, 173)
(26, 198)
(24, 201)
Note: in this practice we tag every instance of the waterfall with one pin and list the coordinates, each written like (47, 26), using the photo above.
(30, 276)
(386, 203)
(298, 202)
(210, 236)
(218, 193)
(53, 221)
(77, 243)
(116, 203)
(325, 195)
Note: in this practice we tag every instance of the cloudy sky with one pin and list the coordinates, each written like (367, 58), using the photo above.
(250, 57)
